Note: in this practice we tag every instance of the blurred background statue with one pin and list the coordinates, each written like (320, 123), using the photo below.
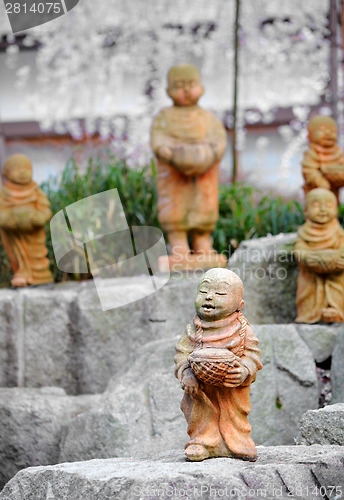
(323, 162)
(188, 143)
(24, 211)
(319, 251)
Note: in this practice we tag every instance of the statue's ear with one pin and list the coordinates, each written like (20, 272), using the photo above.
(241, 305)
(168, 92)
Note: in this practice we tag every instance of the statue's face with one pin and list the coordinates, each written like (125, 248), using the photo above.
(322, 209)
(216, 299)
(325, 135)
(20, 173)
(185, 91)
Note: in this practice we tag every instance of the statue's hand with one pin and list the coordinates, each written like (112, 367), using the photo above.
(190, 383)
(37, 218)
(236, 375)
(165, 153)
(11, 222)
(313, 259)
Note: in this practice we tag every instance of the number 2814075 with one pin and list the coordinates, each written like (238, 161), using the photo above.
(40, 8)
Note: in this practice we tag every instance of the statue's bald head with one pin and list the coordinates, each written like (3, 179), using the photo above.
(320, 194)
(223, 276)
(321, 206)
(319, 120)
(183, 71)
(18, 169)
(322, 130)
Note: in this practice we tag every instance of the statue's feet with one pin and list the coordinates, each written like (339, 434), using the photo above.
(202, 243)
(178, 241)
(19, 281)
(245, 458)
(196, 453)
(331, 315)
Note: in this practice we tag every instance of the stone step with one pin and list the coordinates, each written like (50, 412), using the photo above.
(304, 472)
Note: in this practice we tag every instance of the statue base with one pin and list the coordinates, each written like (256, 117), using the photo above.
(192, 262)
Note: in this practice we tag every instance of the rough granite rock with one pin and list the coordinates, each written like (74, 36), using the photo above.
(31, 424)
(321, 339)
(83, 346)
(49, 338)
(139, 412)
(286, 386)
(324, 426)
(11, 339)
(109, 339)
(269, 272)
(337, 370)
(281, 472)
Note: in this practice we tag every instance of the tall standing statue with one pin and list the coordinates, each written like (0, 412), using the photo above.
(24, 211)
(323, 162)
(217, 360)
(188, 142)
(319, 251)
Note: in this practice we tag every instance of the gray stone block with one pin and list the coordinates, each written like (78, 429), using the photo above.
(337, 369)
(11, 339)
(280, 472)
(286, 386)
(50, 338)
(324, 426)
(110, 340)
(269, 273)
(320, 339)
(31, 425)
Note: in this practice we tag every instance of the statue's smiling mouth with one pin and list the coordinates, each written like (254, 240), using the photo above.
(207, 307)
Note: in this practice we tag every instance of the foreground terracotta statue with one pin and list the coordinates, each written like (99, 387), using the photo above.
(323, 162)
(319, 250)
(217, 360)
(188, 143)
(24, 211)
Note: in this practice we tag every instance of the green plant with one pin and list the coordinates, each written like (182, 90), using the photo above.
(245, 214)
(137, 190)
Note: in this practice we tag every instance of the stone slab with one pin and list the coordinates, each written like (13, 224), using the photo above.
(31, 426)
(337, 370)
(281, 472)
(321, 339)
(324, 426)
(269, 273)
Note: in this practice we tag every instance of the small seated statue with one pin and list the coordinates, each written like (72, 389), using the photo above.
(188, 143)
(217, 360)
(24, 211)
(323, 162)
(319, 251)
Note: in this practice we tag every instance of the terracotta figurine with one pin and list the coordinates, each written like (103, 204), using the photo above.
(319, 250)
(217, 360)
(188, 143)
(24, 211)
(323, 162)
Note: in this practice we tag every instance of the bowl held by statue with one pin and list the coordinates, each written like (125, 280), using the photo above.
(193, 159)
(335, 174)
(212, 366)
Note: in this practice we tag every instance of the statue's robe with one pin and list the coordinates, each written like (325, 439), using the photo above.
(188, 202)
(315, 159)
(217, 415)
(316, 291)
(25, 245)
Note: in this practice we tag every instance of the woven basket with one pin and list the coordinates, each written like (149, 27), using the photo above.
(211, 366)
(335, 174)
